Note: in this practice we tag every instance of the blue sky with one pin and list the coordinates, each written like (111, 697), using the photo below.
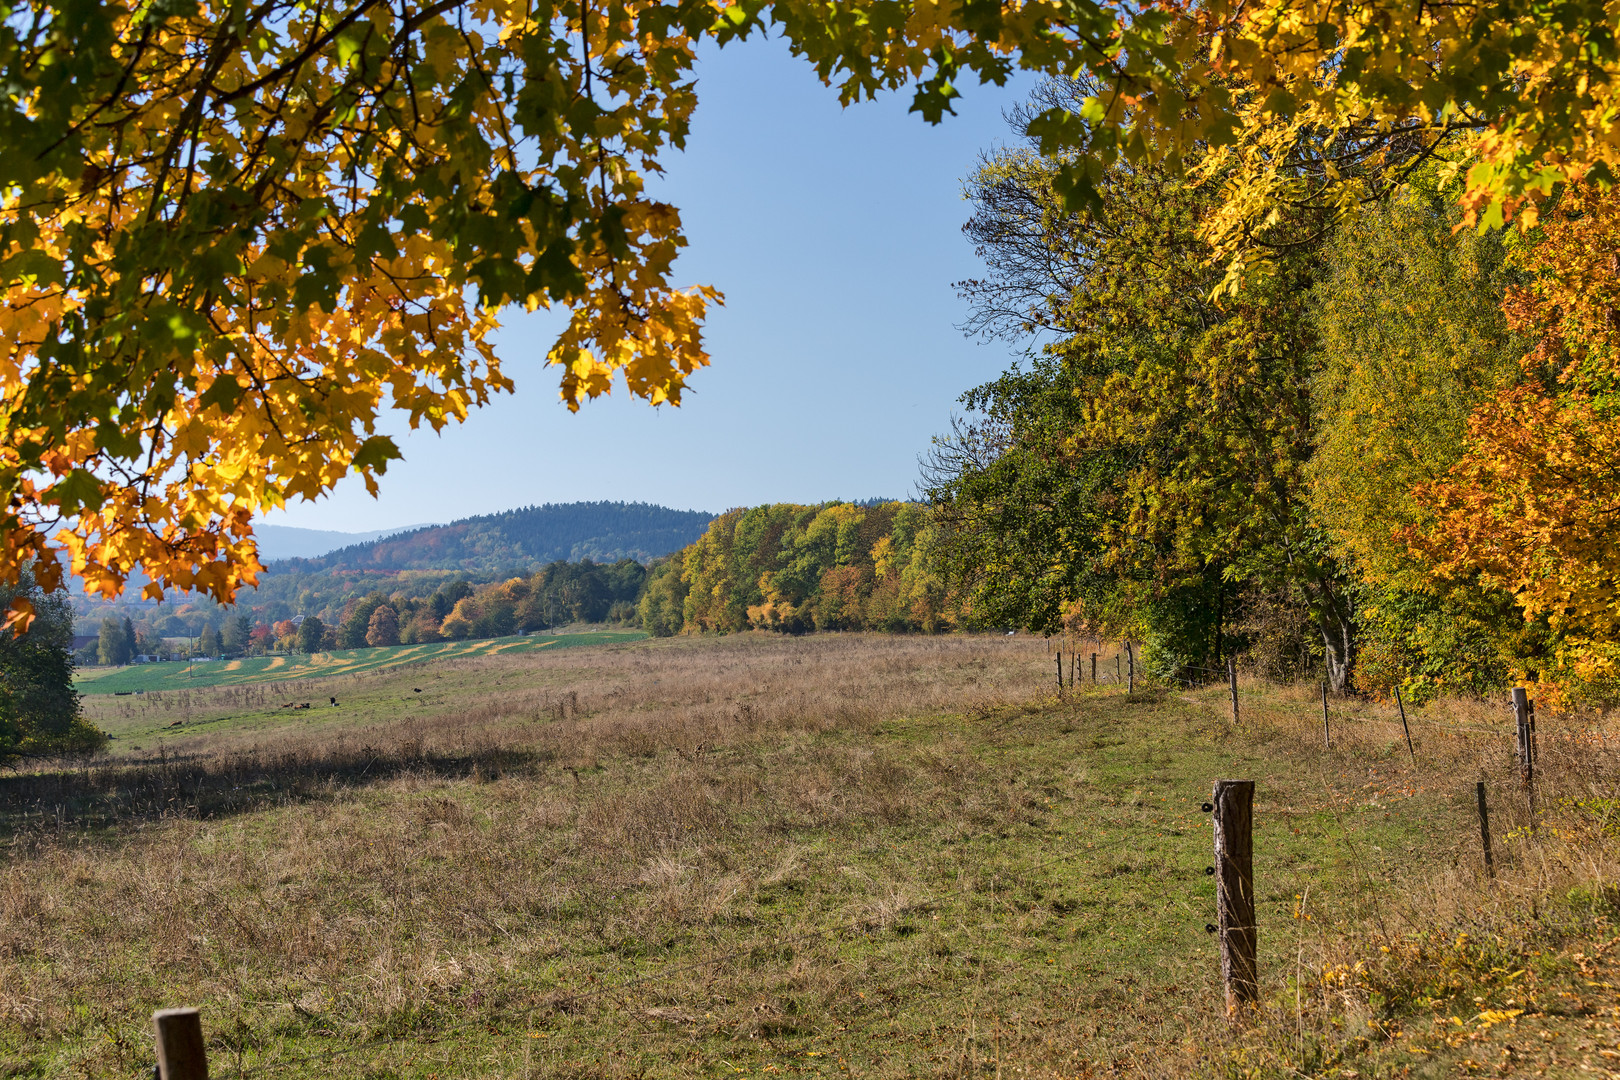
(835, 235)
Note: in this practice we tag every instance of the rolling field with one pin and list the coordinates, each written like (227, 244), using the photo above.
(841, 855)
(175, 675)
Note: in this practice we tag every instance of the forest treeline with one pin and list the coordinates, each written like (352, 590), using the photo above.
(1385, 455)
(558, 594)
(780, 567)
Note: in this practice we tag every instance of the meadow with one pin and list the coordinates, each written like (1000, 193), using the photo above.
(842, 854)
(188, 675)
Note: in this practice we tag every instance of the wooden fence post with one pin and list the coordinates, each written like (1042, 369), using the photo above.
(1523, 714)
(1074, 662)
(1485, 828)
(181, 1053)
(1402, 706)
(1130, 668)
(1060, 672)
(1231, 678)
(1327, 741)
(1093, 669)
(1234, 890)
(1118, 678)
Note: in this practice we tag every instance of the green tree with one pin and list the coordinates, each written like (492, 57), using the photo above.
(663, 600)
(39, 708)
(1148, 469)
(238, 630)
(1411, 338)
(311, 633)
(208, 643)
(113, 645)
(357, 620)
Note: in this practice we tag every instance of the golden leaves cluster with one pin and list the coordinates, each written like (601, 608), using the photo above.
(232, 238)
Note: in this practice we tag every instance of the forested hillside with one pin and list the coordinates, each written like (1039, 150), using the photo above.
(415, 567)
(531, 535)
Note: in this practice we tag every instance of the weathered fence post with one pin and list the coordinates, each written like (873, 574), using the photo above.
(1234, 890)
(1231, 678)
(1130, 668)
(1402, 706)
(181, 1053)
(1074, 662)
(1523, 714)
(1485, 828)
(1060, 672)
(1093, 669)
(1327, 741)
(1118, 678)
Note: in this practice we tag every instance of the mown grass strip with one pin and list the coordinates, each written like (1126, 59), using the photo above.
(176, 675)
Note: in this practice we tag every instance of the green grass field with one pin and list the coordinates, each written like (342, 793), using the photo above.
(175, 675)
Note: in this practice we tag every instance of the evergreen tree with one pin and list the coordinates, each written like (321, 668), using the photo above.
(113, 646)
(237, 631)
(39, 709)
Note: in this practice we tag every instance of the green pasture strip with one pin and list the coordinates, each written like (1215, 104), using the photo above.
(176, 675)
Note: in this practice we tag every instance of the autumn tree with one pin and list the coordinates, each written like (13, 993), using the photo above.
(383, 629)
(230, 236)
(1151, 459)
(1531, 504)
(354, 631)
(1411, 338)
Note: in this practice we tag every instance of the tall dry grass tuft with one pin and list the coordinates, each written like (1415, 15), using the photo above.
(1454, 969)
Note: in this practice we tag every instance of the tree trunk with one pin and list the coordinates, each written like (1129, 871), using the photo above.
(1338, 637)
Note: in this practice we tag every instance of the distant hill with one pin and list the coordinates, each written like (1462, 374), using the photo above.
(601, 531)
(287, 542)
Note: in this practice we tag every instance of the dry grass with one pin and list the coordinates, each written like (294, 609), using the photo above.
(874, 855)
